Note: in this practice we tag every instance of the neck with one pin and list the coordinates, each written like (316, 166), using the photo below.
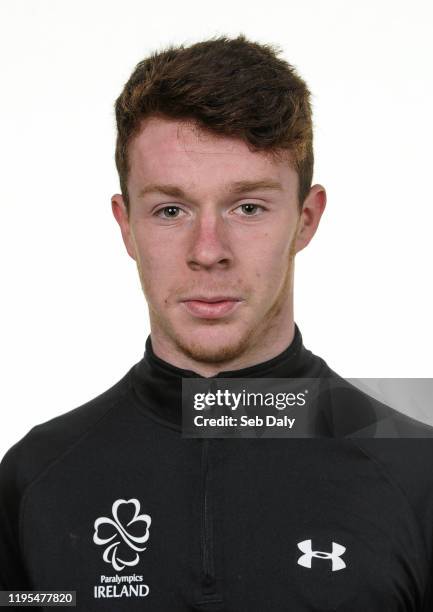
(158, 383)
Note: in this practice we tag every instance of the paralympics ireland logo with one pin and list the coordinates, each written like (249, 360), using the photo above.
(122, 536)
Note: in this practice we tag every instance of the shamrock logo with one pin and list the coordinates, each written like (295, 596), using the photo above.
(124, 533)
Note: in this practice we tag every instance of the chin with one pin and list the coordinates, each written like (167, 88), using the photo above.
(212, 344)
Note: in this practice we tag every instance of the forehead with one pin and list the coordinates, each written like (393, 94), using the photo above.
(184, 152)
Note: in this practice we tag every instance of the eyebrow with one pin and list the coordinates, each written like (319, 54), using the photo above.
(238, 187)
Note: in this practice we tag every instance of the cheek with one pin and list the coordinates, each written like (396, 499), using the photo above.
(269, 261)
(160, 273)
(156, 254)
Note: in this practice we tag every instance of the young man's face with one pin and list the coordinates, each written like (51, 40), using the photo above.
(202, 226)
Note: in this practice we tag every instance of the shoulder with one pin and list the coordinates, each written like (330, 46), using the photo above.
(48, 440)
(353, 412)
(400, 446)
(30, 457)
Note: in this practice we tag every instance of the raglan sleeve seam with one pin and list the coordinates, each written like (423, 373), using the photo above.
(384, 470)
(29, 487)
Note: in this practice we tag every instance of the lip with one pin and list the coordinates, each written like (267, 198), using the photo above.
(212, 298)
(214, 309)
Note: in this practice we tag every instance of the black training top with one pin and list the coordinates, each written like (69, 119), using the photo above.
(109, 500)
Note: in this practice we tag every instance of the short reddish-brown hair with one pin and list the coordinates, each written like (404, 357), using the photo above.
(230, 86)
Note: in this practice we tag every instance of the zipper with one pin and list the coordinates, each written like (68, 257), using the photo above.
(207, 534)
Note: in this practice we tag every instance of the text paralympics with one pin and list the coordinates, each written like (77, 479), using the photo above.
(117, 579)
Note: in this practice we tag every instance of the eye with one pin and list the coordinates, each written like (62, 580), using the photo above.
(170, 209)
(247, 207)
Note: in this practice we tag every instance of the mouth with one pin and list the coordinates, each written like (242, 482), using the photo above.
(211, 308)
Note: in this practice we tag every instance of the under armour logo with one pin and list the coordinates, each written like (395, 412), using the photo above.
(309, 553)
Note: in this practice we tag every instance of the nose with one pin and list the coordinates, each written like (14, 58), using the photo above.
(209, 242)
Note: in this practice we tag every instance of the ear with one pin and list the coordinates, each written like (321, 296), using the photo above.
(312, 210)
(121, 215)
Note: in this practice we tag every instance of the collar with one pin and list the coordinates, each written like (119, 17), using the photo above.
(157, 383)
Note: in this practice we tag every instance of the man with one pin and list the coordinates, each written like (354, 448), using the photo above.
(215, 160)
